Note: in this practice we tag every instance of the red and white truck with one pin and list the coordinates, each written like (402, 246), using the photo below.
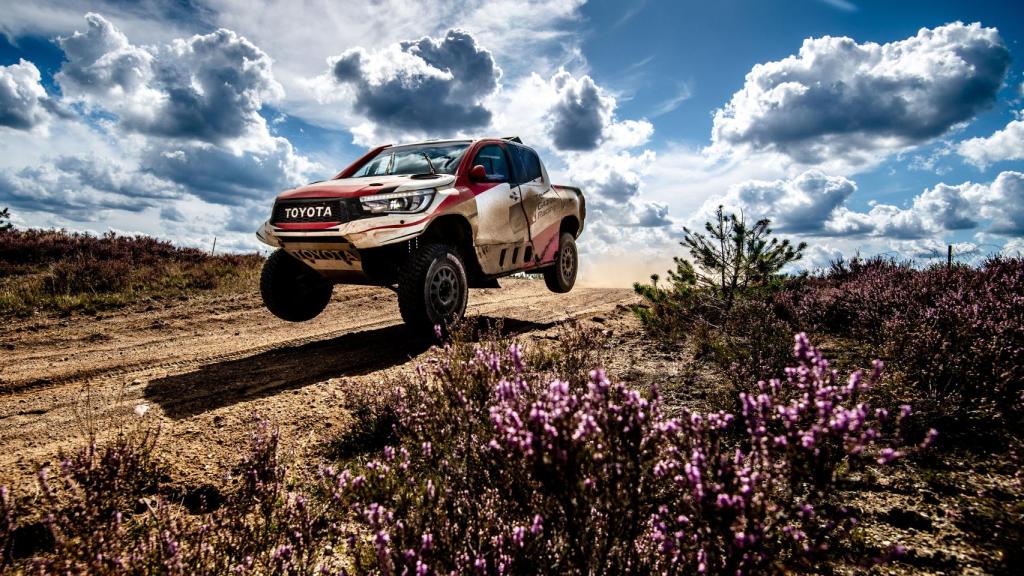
(430, 220)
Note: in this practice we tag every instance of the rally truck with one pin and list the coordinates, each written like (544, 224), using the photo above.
(429, 220)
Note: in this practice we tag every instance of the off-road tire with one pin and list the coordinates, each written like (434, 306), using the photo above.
(432, 288)
(291, 290)
(561, 276)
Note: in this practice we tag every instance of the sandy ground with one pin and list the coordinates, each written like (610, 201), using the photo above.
(204, 366)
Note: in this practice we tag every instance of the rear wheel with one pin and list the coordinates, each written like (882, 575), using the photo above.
(562, 275)
(291, 290)
(432, 288)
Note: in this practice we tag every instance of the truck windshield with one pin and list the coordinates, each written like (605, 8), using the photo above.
(414, 159)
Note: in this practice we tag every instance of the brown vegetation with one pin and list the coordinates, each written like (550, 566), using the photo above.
(56, 271)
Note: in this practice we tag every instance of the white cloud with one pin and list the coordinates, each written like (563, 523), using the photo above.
(610, 178)
(844, 5)
(887, 221)
(427, 87)
(154, 20)
(803, 204)
(818, 255)
(840, 99)
(209, 87)
(222, 176)
(83, 188)
(1002, 202)
(529, 35)
(101, 62)
(577, 119)
(684, 93)
(932, 248)
(1014, 247)
(1005, 144)
(181, 141)
(24, 104)
(949, 207)
(814, 205)
(535, 108)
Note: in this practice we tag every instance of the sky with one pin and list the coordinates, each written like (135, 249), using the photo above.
(858, 127)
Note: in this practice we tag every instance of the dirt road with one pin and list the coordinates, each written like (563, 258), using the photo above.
(204, 366)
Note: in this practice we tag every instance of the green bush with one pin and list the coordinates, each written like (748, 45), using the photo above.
(723, 306)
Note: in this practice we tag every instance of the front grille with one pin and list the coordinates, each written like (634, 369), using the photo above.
(316, 210)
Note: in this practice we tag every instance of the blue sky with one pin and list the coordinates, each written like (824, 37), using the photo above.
(183, 119)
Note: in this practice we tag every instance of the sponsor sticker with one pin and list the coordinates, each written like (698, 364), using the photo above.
(315, 256)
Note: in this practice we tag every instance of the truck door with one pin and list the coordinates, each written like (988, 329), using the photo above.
(540, 203)
(501, 222)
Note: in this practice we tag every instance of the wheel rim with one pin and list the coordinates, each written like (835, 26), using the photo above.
(444, 291)
(568, 263)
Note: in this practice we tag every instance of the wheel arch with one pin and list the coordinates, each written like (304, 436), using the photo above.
(570, 224)
(455, 230)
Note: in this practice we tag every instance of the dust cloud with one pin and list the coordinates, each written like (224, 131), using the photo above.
(620, 270)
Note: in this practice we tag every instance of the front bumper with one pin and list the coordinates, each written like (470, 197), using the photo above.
(361, 233)
(333, 250)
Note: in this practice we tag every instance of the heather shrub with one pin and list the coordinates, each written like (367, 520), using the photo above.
(87, 504)
(954, 336)
(107, 514)
(374, 418)
(29, 247)
(575, 351)
(60, 271)
(498, 471)
(264, 526)
(962, 342)
(852, 298)
(495, 466)
(85, 274)
(751, 343)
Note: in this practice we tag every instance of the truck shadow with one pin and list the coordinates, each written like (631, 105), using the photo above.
(224, 383)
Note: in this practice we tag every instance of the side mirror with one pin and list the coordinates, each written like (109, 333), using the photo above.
(478, 173)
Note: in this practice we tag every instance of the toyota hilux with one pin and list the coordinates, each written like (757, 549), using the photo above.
(429, 220)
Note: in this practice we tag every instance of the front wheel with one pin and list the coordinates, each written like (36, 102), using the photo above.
(561, 276)
(432, 288)
(291, 290)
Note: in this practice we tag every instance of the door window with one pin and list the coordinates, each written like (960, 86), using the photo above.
(527, 164)
(531, 164)
(492, 158)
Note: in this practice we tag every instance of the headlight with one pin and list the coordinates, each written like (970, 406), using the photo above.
(399, 202)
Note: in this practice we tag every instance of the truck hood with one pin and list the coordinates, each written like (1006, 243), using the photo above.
(355, 187)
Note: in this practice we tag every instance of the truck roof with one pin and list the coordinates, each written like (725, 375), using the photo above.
(515, 139)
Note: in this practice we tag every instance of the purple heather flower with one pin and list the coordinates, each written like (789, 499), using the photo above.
(929, 439)
(517, 535)
(538, 525)
(888, 455)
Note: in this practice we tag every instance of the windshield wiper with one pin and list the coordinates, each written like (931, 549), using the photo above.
(429, 163)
